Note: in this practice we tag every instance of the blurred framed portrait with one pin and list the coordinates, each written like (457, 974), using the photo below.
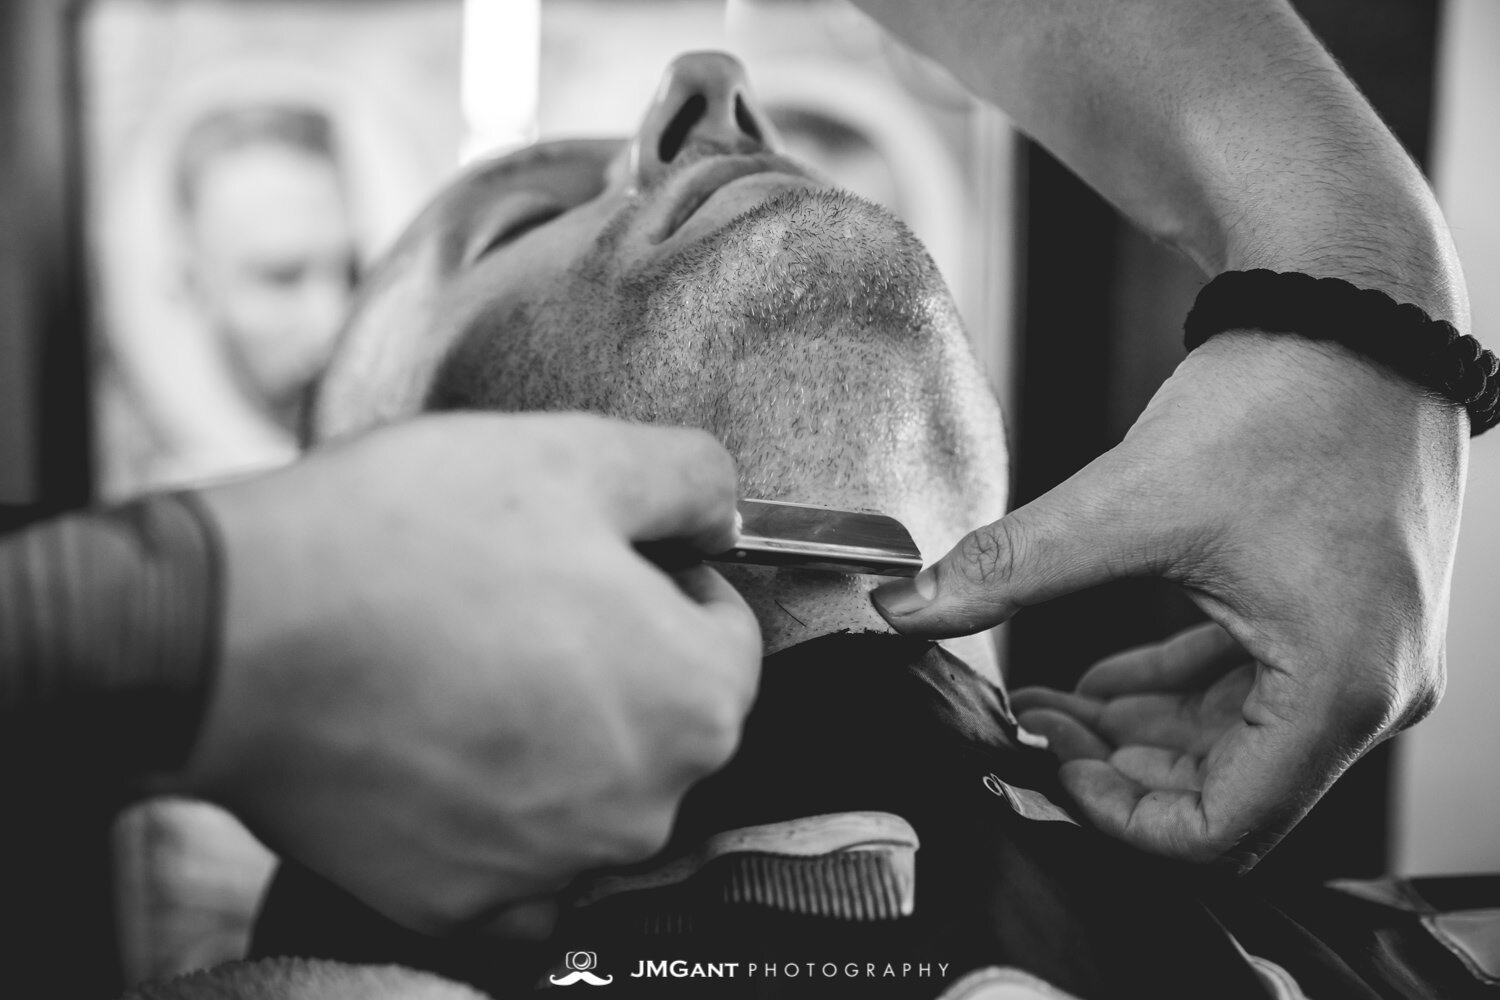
(243, 161)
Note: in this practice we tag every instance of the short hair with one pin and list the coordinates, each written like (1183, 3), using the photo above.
(304, 979)
(229, 130)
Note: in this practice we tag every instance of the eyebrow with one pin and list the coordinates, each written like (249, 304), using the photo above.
(537, 156)
(475, 188)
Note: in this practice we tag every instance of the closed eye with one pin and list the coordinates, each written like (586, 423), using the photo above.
(516, 229)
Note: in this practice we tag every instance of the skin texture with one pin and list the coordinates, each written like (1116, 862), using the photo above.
(804, 328)
(1306, 499)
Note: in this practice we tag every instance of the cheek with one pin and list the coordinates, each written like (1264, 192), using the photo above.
(550, 324)
(537, 345)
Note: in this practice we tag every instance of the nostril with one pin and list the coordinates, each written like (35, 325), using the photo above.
(745, 120)
(678, 128)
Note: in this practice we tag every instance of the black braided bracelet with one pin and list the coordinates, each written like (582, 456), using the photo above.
(1399, 335)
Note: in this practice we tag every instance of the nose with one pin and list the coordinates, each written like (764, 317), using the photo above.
(704, 101)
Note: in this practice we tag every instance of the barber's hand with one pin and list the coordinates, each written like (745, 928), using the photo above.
(450, 682)
(1308, 501)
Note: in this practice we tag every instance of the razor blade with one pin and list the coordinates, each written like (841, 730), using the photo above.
(805, 536)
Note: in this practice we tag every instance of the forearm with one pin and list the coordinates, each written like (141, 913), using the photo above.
(1219, 126)
(110, 618)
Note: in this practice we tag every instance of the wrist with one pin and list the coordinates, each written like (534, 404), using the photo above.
(109, 629)
(1400, 337)
(1315, 388)
(262, 617)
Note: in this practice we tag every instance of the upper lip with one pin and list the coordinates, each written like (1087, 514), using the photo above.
(687, 191)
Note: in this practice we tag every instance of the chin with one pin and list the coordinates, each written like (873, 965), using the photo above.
(810, 254)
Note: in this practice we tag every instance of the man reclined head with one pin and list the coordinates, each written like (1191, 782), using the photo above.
(694, 276)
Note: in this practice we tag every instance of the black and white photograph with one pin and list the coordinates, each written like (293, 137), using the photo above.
(749, 499)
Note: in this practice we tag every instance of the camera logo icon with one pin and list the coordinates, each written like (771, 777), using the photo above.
(581, 965)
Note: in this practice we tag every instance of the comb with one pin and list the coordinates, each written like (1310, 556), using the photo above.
(806, 536)
(858, 866)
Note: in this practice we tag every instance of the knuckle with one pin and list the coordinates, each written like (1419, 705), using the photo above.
(707, 722)
(747, 680)
(740, 642)
(647, 836)
(1427, 692)
(724, 741)
(736, 660)
(1368, 710)
(1400, 689)
(708, 485)
(987, 555)
(1422, 706)
(706, 466)
(654, 837)
(718, 735)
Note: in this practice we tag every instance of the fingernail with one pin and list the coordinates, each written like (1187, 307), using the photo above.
(1031, 739)
(903, 597)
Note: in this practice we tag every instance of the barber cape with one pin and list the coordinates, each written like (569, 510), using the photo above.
(1013, 899)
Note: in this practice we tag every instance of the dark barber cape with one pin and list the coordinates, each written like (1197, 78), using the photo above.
(1004, 878)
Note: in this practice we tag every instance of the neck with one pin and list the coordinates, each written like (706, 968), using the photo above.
(794, 606)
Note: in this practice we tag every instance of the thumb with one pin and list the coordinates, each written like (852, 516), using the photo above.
(1086, 531)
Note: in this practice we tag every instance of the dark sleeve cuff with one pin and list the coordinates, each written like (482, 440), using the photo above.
(109, 629)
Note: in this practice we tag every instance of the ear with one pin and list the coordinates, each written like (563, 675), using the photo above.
(389, 349)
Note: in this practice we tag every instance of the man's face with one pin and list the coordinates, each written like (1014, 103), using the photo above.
(694, 276)
(272, 262)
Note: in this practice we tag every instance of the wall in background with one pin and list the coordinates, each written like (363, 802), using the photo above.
(17, 484)
(1448, 813)
(332, 122)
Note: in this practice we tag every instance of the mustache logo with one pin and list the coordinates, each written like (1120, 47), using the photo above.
(581, 975)
(581, 962)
